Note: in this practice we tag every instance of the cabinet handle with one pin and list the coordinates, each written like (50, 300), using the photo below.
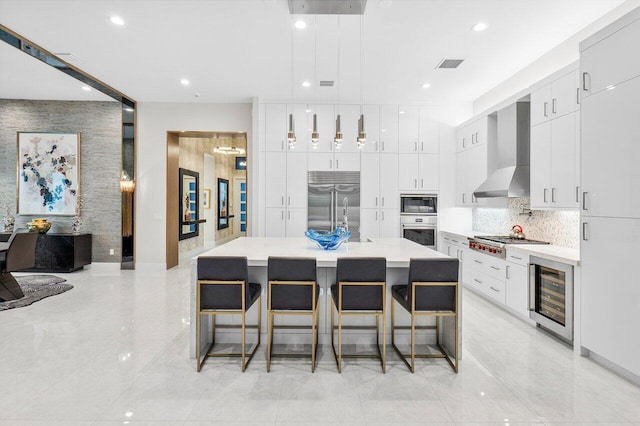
(382, 201)
(553, 195)
(477, 280)
(515, 257)
(376, 201)
(463, 201)
(382, 145)
(282, 145)
(449, 251)
(376, 215)
(545, 109)
(422, 146)
(584, 81)
(289, 214)
(473, 138)
(383, 215)
(585, 231)
(554, 101)
(578, 95)
(282, 214)
(532, 288)
(421, 183)
(464, 142)
(416, 146)
(544, 197)
(455, 241)
(494, 289)
(282, 201)
(577, 194)
(478, 261)
(415, 183)
(495, 267)
(289, 200)
(337, 164)
(584, 200)
(331, 164)
(506, 271)
(477, 138)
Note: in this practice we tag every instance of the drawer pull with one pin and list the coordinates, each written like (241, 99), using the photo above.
(515, 257)
(495, 267)
(477, 261)
(494, 289)
(477, 280)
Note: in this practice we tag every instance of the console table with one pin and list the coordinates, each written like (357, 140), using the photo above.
(61, 252)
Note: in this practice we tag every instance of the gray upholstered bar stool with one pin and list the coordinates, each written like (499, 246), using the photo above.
(293, 290)
(360, 289)
(20, 254)
(224, 289)
(432, 291)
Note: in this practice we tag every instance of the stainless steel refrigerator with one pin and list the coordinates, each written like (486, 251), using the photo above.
(334, 196)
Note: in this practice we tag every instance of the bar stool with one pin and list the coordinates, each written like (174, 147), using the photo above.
(360, 289)
(432, 291)
(293, 290)
(224, 289)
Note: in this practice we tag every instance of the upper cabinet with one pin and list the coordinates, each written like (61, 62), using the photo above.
(472, 134)
(388, 128)
(558, 98)
(275, 127)
(372, 128)
(418, 129)
(610, 61)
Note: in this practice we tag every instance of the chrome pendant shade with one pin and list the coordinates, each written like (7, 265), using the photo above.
(338, 138)
(315, 136)
(291, 135)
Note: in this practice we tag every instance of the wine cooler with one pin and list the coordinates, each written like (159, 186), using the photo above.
(551, 296)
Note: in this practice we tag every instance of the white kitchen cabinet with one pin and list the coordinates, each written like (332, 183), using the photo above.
(555, 99)
(517, 288)
(388, 128)
(429, 176)
(296, 180)
(610, 294)
(347, 161)
(418, 172)
(276, 127)
(472, 134)
(369, 223)
(471, 172)
(275, 223)
(276, 172)
(296, 222)
(553, 163)
(611, 152)
(389, 193)
(610, 61)
(419, 129)
(370, 181)
(372, 128)
(389, 223)
(321, 161)
(408, 171)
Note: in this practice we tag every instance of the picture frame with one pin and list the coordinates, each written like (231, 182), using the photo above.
(206, 198)
(241, 163)
(189, 201)
(223, 203)
(48, 181)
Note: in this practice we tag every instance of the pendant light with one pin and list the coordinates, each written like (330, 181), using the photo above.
(362, 136)
(337, 140)
(291, 135)
(315, 136)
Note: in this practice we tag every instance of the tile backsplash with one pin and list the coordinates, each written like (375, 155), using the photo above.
(558, 227)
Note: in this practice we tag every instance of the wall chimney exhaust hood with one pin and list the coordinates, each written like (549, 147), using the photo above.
(511, 177)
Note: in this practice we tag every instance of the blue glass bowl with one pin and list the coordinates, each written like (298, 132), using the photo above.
(328, 240)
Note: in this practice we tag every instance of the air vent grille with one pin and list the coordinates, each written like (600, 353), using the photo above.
(327, 7)
(326, 83)
(449, 63)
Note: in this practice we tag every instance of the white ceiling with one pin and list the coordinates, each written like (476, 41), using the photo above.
(232, 50)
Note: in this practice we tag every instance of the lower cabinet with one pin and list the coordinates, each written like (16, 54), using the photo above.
(62, 252)
(379, 223)
(517, 288)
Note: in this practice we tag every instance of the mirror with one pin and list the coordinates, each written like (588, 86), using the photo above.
(223, 203)
(189, 204)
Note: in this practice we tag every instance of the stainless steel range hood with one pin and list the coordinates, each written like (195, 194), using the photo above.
(511, 154)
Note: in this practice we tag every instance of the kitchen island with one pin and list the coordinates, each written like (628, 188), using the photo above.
(397, 251)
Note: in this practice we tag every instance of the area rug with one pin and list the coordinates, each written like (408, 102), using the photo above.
(36, 287)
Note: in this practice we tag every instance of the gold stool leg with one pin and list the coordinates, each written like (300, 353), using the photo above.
(384, 343)
(244, 366)
(339, 342)
(269, 338)
(413, 342)
(198, 348)
(313, 340)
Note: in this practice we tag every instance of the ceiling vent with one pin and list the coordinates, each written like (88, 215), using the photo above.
(327, 7)
(327, 83)
(449, 63)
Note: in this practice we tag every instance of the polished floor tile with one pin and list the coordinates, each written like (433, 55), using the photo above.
(115, 351)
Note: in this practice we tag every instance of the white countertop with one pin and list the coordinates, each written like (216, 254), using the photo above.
(397, 251)
(545, 251)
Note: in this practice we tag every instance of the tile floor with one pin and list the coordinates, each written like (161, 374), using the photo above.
(114, 350)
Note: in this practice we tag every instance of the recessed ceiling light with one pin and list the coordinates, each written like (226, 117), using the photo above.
(425, 85)
(184, 82)
(116, 20)
(86, 88)
(401, 112)
(480, 26)
(300, 24)
(306, 84)
(129, 109)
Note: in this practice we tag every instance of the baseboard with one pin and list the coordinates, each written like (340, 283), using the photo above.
(103, 266)
(614, 368)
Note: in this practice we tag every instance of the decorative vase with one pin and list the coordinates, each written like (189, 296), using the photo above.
(75, 224)
(9, 222)
(41, 226)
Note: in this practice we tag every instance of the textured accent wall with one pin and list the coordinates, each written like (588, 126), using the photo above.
(558, 227)
(100, 128)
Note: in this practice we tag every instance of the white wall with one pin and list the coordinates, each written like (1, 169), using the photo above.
(153, 122)
(210, 214)
(560, 56)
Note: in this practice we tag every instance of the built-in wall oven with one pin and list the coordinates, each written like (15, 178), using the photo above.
(419, 218)
(551, 296)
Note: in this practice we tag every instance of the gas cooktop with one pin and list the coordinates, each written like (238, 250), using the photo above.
(508, 240)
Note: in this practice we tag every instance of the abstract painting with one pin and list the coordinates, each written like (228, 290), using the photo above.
(48, 173)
